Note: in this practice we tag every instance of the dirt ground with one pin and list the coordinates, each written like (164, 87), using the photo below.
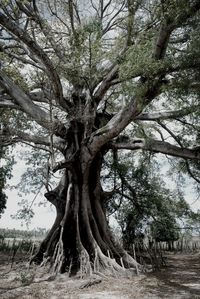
(179, 279)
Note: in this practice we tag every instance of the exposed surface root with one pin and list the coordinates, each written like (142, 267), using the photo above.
(90, 282)
(109, 266)
(132, 263)
(102, 265)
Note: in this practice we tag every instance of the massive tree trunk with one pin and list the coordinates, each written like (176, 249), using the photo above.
(80, 240)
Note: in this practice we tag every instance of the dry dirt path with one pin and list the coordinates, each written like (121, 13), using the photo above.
(180, 279)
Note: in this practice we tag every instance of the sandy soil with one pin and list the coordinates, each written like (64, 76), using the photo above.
(180, 279)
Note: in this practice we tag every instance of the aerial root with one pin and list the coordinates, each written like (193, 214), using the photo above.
(58, 255)
(85, 264)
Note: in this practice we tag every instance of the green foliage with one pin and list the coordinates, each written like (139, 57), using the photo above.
(165, 229)
(15, 245)
(13, 72)
(24, 214)
(2, 202)
(148, 203)
(36, 172)
(21, 241)
(22, 234)
(5, 172)
(139, 61)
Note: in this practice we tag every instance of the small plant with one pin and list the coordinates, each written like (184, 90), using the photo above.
(26, 245)
(3, 245)
(26, 278)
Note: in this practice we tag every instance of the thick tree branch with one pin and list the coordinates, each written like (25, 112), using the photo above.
(42, 56)
(63, 165)
(13, 136)
(26, 104)
(157, 146)
(176, 138)
(5, 102)
(162, 40)
(118, 122)
(168, 114)
(106, 83)
(22, 99)
(167, 27)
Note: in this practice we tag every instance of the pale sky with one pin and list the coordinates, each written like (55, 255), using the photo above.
(45, 215)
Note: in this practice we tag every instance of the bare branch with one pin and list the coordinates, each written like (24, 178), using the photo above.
(106, 83)
(167, 114)
(189, 170)
(71, 15)
(5, 102)
(112, 20)
(177, 139)
(44, 26)
(38, 51)
(68, 164)
(21, 58)
(55, 13)
(10, 135)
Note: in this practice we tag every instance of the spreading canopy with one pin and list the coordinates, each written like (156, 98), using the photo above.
(122, 62)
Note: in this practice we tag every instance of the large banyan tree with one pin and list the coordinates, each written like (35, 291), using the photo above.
(82, 79)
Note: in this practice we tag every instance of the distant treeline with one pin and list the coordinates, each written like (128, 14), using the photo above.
(22, 234)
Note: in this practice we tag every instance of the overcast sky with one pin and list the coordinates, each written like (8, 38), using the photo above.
(45, 215)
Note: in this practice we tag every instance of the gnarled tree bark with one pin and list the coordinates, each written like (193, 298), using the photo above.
(80, 240)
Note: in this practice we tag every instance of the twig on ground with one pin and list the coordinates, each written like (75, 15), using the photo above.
(90, 283)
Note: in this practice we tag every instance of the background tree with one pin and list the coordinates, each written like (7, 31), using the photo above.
(165, 230)
(2, 185)
(6, 162)
(89, 78)
(147, 207)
